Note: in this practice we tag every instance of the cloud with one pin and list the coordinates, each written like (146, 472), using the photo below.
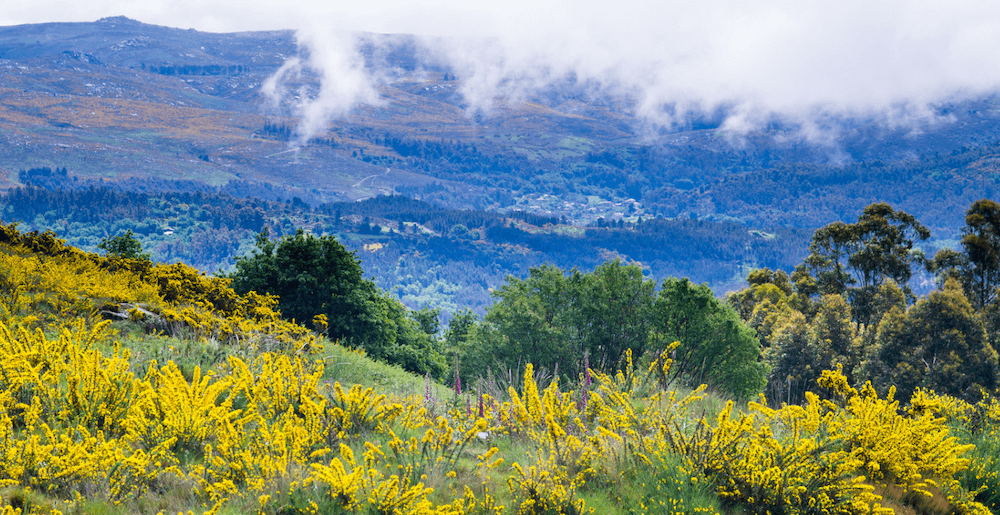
(891, 61)
(343, 81)
(753, 61)
(793, 59)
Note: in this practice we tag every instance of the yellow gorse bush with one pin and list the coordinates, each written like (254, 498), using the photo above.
(265, 430)
(74, 416)
(822, 457)
(45, 282)
(980, 423)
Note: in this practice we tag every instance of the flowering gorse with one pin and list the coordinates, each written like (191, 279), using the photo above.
(262, 430)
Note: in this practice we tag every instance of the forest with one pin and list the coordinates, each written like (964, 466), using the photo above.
(814, 300)
(429, 256)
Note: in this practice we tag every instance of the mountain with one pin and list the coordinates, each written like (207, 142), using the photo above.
(121, 104)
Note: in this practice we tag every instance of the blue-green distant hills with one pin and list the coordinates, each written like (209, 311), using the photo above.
(131, 107)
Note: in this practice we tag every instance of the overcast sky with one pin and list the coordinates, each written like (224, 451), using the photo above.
(798, 60)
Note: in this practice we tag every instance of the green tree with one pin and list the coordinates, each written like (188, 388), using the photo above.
(310, 275)
(978, 267)
(829, 251)
(770, 309)
(317, 275)
(456, 342)
(940, 343)
(792, 364)
(614, 308)
(883, 248)
(458, 328)
(405, 340)
(805, 284)
(124, 246)
(534, 320)
(981, 241)
(889, 296)
(716, 347)
(878, 247)
(948, 264)
(745, 300)
(429, 320)
(834, 338)
(552, 317)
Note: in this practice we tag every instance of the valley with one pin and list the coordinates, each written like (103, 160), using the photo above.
(134, 107)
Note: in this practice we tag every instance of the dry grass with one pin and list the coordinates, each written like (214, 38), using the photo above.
(903, 503)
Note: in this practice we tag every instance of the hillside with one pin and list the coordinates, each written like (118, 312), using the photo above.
(117, 99)
(200, 400)
(428, 255)
(180, 119)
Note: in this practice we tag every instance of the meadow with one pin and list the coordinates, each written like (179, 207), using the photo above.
(129, 387)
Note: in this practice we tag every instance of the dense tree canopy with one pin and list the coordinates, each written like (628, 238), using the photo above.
(552, 318)
(560, 321)
(944, 341)
(978, 267)
(311, 275)
(981, 241)
(939, 344)
(715, 346)
(878, 247)
(316, 275)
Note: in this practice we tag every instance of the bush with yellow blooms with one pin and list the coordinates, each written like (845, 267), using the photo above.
(85, 428)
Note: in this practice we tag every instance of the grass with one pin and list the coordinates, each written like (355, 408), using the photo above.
(579, 144)
(621, 483)
(570, 230)
(667, 488)
(531, 154)
(341, 364)
(985, 473)
(184, 348)
(348, 367)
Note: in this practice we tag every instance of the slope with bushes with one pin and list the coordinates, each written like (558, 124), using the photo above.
(238, 412)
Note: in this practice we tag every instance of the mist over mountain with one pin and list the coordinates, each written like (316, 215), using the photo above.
(502, 123)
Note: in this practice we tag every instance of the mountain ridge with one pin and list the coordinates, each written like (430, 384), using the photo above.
(178, 72)
(132, 106)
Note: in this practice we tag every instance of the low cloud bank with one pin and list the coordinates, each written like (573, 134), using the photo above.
(747, 64)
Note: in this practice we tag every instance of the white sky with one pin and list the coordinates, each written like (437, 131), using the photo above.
(232, 15)
(796, 59)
